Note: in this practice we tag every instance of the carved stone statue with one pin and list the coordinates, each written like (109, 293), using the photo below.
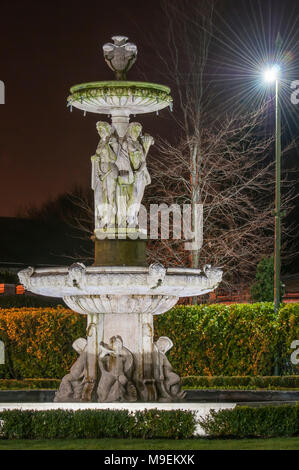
(138, 147)
(104, 177)
(167, 381)
(75, 386)
(116, 368)
(119, 175)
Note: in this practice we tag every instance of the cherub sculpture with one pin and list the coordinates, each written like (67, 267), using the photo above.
(116, 369)
(76, 386)
(167, 381)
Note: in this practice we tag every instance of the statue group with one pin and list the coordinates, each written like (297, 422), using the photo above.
(116, 381)
(119, 175)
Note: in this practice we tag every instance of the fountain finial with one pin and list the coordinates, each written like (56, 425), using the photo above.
(120, 56)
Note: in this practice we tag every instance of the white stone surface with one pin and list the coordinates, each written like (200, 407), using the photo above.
(120, 304)
(201, 409)
(124, 105)
(78, 280)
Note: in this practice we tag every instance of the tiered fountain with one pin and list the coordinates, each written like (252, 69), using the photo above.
(119, 360)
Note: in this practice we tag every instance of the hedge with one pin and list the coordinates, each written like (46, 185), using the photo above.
(38, 342)
(237, 339)
(209, 340)
(241, 383)
(29, 384)
(243, 421)
(285, 382)
(82, 424)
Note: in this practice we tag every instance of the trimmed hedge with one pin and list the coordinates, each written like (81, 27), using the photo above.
(29, 384)
(82, 424)
(242, 383)
(191, 382)
(243, 421)
(38, 342)
(231, 340)
(209, 340)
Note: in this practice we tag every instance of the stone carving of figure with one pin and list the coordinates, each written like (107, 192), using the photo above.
(104, 177)
(138, 147)
(76, 275)
(74, 385)
(116, 367)
(119, 175)
(167, 381)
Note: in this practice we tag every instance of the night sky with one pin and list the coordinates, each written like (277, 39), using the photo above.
(45, 48)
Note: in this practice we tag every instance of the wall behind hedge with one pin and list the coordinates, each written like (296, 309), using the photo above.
(240, 339)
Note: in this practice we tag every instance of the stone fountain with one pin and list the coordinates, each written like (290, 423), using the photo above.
(119, 360)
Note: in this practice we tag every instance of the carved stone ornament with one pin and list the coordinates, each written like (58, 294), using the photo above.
(115, 379)
(119, 175)
(167, 381)
(156, 275)
(116, 364)
(76, 275)
(105, 282)
(25, 275)
(120, 56)
(74, 384)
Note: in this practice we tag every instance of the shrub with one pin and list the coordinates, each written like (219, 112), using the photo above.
(262, 290)
(239, 339)
(81, 424)
(38, 342)
(209, 340)
(242, 382)
(29, 384)
(263, 421)
(287, 332)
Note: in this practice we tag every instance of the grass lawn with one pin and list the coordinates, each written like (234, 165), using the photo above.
(287, 443)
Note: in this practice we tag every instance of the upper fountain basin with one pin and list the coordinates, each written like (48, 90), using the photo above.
(99, 280)
(120, 97)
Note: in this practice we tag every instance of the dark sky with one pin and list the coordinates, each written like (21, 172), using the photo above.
(45, 48)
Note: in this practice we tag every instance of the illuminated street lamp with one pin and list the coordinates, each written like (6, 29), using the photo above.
(271, 75)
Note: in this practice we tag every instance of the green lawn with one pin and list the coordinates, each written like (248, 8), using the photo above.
(288, 443)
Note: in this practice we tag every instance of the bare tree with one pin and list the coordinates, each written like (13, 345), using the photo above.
(223, 160)
(236, 191)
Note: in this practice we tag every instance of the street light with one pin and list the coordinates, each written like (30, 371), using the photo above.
(271, 75)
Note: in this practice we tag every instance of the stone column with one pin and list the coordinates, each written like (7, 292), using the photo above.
(94, 335)
(136, 331)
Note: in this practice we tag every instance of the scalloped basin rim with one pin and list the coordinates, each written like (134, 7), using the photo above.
(119, 84)
(117, 280)
(117, 269)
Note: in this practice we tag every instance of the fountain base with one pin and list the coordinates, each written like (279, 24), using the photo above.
(119, 362)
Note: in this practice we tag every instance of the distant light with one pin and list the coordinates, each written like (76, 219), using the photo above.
(271, 73)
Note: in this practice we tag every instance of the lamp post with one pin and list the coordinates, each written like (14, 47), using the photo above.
(272, 75)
